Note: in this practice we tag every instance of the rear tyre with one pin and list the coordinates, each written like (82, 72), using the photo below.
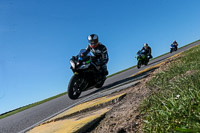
(139, 64)
(100, 84)
(146, 63)
(74, 90)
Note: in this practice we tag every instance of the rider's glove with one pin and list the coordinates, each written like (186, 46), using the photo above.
(98, 62)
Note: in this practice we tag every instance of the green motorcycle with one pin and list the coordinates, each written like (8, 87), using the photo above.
(142, 58)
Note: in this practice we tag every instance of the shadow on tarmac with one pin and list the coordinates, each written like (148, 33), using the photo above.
(129, 79)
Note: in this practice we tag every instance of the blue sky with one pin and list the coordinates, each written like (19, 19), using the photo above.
(38, 37)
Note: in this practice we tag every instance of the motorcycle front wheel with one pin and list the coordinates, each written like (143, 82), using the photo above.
(74, 90)
(139, 64)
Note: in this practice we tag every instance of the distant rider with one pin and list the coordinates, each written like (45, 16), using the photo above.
(175, 44)
(147, 50)
(99, 51)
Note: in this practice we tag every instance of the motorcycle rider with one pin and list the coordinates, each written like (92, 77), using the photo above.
(147, 50)
(100, 52)
(175, 44)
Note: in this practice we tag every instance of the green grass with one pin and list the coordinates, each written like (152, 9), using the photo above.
(29, 106)
(175, 104)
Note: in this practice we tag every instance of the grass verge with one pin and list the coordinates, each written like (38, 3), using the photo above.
(29, 106)
(175, 104)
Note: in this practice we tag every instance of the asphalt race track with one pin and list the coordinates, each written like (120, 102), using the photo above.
(23, 121)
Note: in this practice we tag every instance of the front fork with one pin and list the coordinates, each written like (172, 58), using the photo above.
(83, 83)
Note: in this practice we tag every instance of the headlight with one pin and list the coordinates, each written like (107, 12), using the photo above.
(72, 64)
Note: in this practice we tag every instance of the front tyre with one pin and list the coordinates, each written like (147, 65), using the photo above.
(139, 64)
(74, 90)
(171, 50)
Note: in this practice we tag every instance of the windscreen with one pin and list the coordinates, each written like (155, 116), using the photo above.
(82, 51)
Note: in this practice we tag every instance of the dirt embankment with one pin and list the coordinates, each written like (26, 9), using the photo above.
(125, 116)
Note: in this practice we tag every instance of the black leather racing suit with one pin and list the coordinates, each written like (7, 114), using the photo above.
(147, 51)
(175, 45)
(101, 56)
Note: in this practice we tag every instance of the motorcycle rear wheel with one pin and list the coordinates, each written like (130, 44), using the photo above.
(100, 84)
(74, 90)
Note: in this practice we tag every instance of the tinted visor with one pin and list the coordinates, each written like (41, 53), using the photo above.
(92, 43)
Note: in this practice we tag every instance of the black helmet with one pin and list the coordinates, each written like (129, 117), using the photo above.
(93, 40)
